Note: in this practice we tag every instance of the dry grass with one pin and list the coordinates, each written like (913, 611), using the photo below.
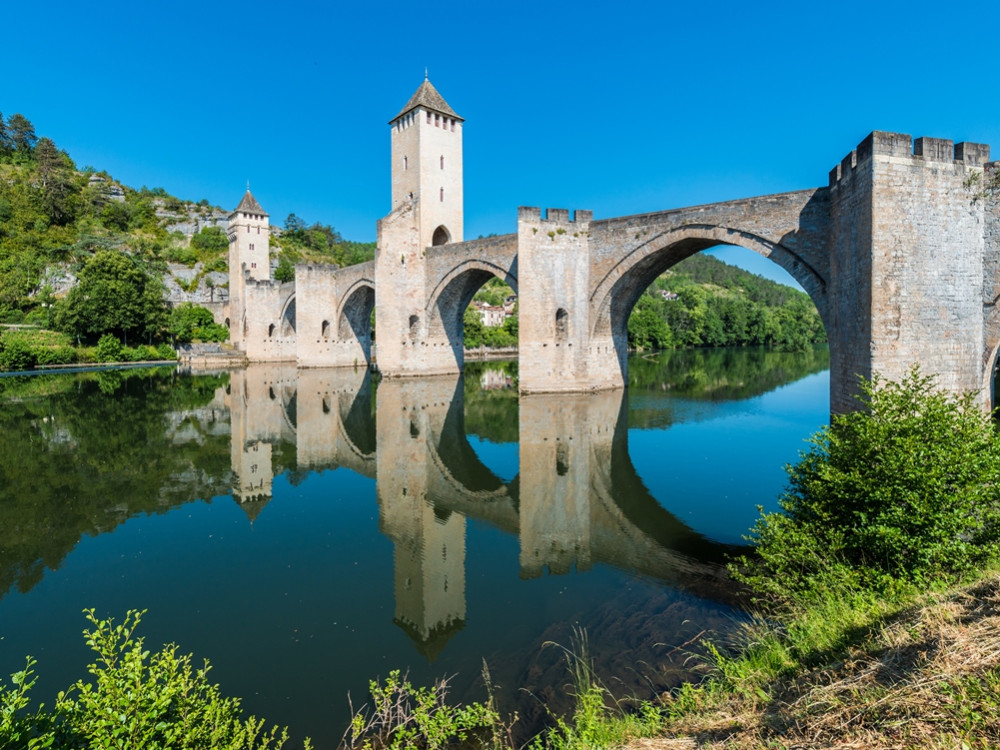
(929, 678)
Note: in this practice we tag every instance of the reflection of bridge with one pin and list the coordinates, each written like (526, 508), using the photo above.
(577, 500)
(900, 259)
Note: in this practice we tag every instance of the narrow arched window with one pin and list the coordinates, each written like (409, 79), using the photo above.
(326, 329)
(562, 324)
(270, 330)
(442, 162)
(442, 195)
(414, 327)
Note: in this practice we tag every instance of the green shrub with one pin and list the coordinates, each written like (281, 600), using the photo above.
(17, 354)
(135, 700)
(109, 349)
(905, 490)
(59, 355)
(165, 352)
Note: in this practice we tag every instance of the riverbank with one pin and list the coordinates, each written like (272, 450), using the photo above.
(923, 673)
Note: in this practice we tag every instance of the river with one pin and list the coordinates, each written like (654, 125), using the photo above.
(308, 530)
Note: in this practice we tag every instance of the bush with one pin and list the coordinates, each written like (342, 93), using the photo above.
(136, 700)
(17, 354)
(906, 490)
(109, 349)
(165, 352)
(59, 355)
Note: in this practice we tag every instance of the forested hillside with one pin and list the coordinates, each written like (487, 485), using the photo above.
(56, 218)
(704, 302)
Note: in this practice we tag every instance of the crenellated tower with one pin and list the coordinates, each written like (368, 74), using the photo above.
(249, 258)
(427, 210)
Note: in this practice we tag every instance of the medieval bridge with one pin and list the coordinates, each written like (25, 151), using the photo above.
(898, 252)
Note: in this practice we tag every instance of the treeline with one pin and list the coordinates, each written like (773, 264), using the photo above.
(704, 302)
(300, 242)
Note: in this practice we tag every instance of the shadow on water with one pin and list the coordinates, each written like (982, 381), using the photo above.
(339, 480)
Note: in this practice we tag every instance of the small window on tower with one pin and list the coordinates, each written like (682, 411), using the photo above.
(437, 121)
(251, 246)
(428, 118)
(452, 126)
(258, 230)
(442, 162)
(442, 194)
(405, 163)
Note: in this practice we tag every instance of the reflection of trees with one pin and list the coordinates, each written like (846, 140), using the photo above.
(490, 413)
(82, 453)
(723, 374)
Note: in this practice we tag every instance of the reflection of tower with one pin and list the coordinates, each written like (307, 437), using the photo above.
(555, 458)
(429, 545)
(260, 398)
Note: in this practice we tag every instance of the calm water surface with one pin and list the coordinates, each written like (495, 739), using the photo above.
(307, 531)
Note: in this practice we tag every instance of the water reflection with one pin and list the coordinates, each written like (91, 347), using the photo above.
(481, 557)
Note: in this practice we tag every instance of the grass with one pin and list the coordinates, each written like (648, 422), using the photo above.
(923, 672)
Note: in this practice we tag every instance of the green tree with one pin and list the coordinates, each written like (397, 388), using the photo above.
(114, 295)
(6, 145)
(22, 134)
(907, 488)
(191, 322)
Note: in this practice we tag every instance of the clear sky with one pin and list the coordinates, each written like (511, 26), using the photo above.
(620, 108)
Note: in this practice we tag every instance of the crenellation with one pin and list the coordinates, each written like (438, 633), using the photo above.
(934, 149)
(973, 154)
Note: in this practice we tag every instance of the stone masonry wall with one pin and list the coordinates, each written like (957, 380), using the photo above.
(910, 244)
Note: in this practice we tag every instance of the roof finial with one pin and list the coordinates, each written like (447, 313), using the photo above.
(248, 186)
(425, 73)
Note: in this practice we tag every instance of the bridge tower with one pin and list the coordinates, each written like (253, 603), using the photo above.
(427, 209)
(249, 257)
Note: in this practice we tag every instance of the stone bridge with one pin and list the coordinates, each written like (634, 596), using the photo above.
(898, 253)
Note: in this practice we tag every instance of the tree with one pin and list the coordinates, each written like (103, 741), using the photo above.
(6, 146)
(191, 322)
(905, 489)
(22, 133)
(114, 295)
(56, 181)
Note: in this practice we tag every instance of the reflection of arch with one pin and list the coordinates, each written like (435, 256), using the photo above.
(441, 236)
(451, 296)
(288, 318)
(460, 465)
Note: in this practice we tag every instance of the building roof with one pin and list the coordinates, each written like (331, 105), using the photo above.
(249, 205)
(428, 97)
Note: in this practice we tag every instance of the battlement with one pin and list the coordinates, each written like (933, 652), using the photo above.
(554, 215)
(900, 145)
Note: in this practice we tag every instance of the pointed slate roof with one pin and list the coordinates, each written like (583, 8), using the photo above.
(249, 205)
(428, 97)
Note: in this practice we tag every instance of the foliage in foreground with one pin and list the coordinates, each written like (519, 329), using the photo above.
(135, 700)
(856, 644)
(904, 491)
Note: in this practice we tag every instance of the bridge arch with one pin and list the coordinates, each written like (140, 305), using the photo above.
(354, 315)
(448, 300)
(619, 290)
(288, 318)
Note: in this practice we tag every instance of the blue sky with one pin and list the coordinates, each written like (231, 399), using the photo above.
(620, 108)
